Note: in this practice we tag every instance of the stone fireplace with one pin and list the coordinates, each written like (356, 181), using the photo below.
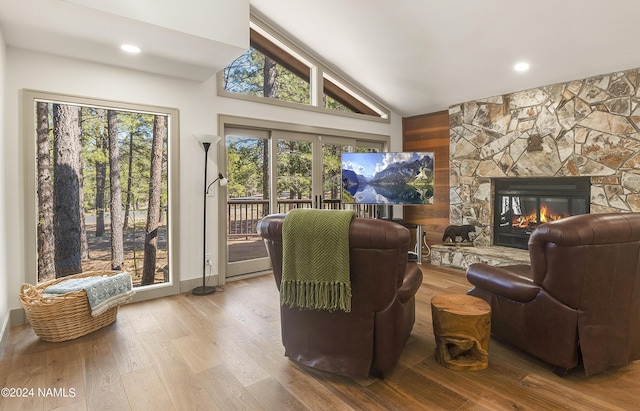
(584, 128)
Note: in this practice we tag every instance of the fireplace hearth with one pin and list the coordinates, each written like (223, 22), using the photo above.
(522, 204)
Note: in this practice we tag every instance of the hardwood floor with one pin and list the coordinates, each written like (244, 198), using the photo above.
(224, 352)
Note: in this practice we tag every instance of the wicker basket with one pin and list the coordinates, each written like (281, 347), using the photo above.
(66, 316)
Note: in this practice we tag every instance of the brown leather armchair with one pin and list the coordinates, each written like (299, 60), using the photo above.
(369, 339)
(581, 293)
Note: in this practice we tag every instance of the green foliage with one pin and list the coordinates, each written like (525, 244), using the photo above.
(244, 166)
(246, 76)
(135, 132)
(93, 151)
(294, 169)
(334, 104)
(331, 170)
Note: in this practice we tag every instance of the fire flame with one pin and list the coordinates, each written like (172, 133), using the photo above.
(529, 220)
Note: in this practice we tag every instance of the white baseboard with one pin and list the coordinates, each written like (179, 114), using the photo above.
(249, 275)
(4, 334)
(17, 316)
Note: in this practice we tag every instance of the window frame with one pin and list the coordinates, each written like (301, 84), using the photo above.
(322, 80)
(266, 129)
(29, 98)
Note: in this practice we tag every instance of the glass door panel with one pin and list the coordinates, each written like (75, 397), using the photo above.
(332, 172)
(294, 178)
(273, 171)
(248, 194)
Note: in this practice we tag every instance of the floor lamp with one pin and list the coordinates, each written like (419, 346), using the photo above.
(206, 140)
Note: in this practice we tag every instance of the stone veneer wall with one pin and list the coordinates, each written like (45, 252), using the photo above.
(586, 127)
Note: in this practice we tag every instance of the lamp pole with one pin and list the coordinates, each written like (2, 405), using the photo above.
(204, 289)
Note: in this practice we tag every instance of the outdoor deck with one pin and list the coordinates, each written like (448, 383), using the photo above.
(243, 215)
(241, 249)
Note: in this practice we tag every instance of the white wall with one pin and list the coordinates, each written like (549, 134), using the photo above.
(4, 195)
(199, 108)
(218, 20)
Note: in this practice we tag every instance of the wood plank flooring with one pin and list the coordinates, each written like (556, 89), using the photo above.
(223, 352)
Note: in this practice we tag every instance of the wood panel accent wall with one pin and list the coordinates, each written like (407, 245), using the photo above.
(430, 132)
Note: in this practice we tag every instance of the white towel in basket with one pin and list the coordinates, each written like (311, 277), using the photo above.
(103, 292)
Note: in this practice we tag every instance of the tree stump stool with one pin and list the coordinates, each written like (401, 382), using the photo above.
(462, 329)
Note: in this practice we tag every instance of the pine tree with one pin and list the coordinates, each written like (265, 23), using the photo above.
(117, 239)
(153, 209)
(66, 190)
(46, 243)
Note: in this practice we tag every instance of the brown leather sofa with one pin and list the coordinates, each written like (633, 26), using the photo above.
(579, 297)
(369, 339)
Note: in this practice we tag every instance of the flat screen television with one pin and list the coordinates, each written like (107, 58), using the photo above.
(387, 178)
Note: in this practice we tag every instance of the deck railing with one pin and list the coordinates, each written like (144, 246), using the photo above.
(243, 215)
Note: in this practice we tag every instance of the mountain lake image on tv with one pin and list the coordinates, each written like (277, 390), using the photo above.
(387, 178)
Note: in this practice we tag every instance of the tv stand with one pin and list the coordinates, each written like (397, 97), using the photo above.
(412, 226)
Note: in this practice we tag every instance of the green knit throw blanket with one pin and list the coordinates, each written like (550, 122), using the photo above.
(315, 261)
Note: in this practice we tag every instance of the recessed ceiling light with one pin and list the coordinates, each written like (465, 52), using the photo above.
(130, 48)
(522, 66)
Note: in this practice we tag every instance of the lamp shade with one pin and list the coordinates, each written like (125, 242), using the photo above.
(207, 138)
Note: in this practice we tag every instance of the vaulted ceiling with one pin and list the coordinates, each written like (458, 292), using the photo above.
(415, 56)
(420, 56)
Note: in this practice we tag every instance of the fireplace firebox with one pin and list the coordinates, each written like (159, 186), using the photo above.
(521, 204)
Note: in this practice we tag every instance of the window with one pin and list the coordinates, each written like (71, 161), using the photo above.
(102, 183)
(257, 74)
(274, 70)
(340, 97)
(267, 70)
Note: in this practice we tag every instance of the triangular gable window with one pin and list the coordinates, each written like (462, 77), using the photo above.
(276, 69)
(340, 97)
(266, 70)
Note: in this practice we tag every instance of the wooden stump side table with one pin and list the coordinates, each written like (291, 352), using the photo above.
(462, 329)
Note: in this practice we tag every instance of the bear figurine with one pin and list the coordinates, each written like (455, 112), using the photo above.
(454, 231)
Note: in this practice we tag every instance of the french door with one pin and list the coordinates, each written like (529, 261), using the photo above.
(273, 171)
